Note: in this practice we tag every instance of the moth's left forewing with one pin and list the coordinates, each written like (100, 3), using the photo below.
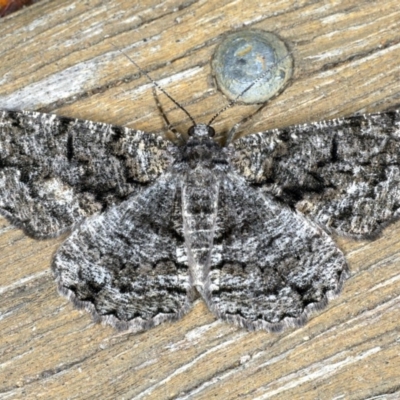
(343, 173)
(252, 156)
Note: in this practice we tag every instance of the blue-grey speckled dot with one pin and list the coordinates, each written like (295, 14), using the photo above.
(243, 56)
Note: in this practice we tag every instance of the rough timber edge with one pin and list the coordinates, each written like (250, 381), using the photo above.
(287, 322)
(136, 325)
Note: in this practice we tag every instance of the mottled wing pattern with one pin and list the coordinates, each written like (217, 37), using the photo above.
(128, 265)
(154, 223)
(55, 171)
(344, 173)
(270, 265)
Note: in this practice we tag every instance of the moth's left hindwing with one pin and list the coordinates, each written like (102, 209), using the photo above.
(55, 171)
(272, 266)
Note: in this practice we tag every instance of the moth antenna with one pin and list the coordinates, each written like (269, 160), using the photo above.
(155, 83)
(258, 79)
(169, 126)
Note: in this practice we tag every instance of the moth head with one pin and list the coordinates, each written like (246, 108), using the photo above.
(200, 148)
(201, 130)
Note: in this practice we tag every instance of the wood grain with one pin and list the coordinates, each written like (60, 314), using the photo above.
(60, 56)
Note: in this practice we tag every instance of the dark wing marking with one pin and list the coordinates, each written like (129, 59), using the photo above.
(55, 171)
(344, 173)
(128, 265)
(271, 266)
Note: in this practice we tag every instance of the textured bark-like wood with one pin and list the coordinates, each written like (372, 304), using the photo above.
(59, 57)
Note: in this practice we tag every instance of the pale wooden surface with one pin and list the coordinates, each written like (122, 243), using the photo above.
(57, 56)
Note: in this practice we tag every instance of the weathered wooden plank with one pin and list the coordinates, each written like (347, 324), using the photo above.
(60, 57)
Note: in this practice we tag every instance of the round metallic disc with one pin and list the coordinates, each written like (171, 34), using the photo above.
(245, 56)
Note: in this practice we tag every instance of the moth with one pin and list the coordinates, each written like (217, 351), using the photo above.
(154, 224)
